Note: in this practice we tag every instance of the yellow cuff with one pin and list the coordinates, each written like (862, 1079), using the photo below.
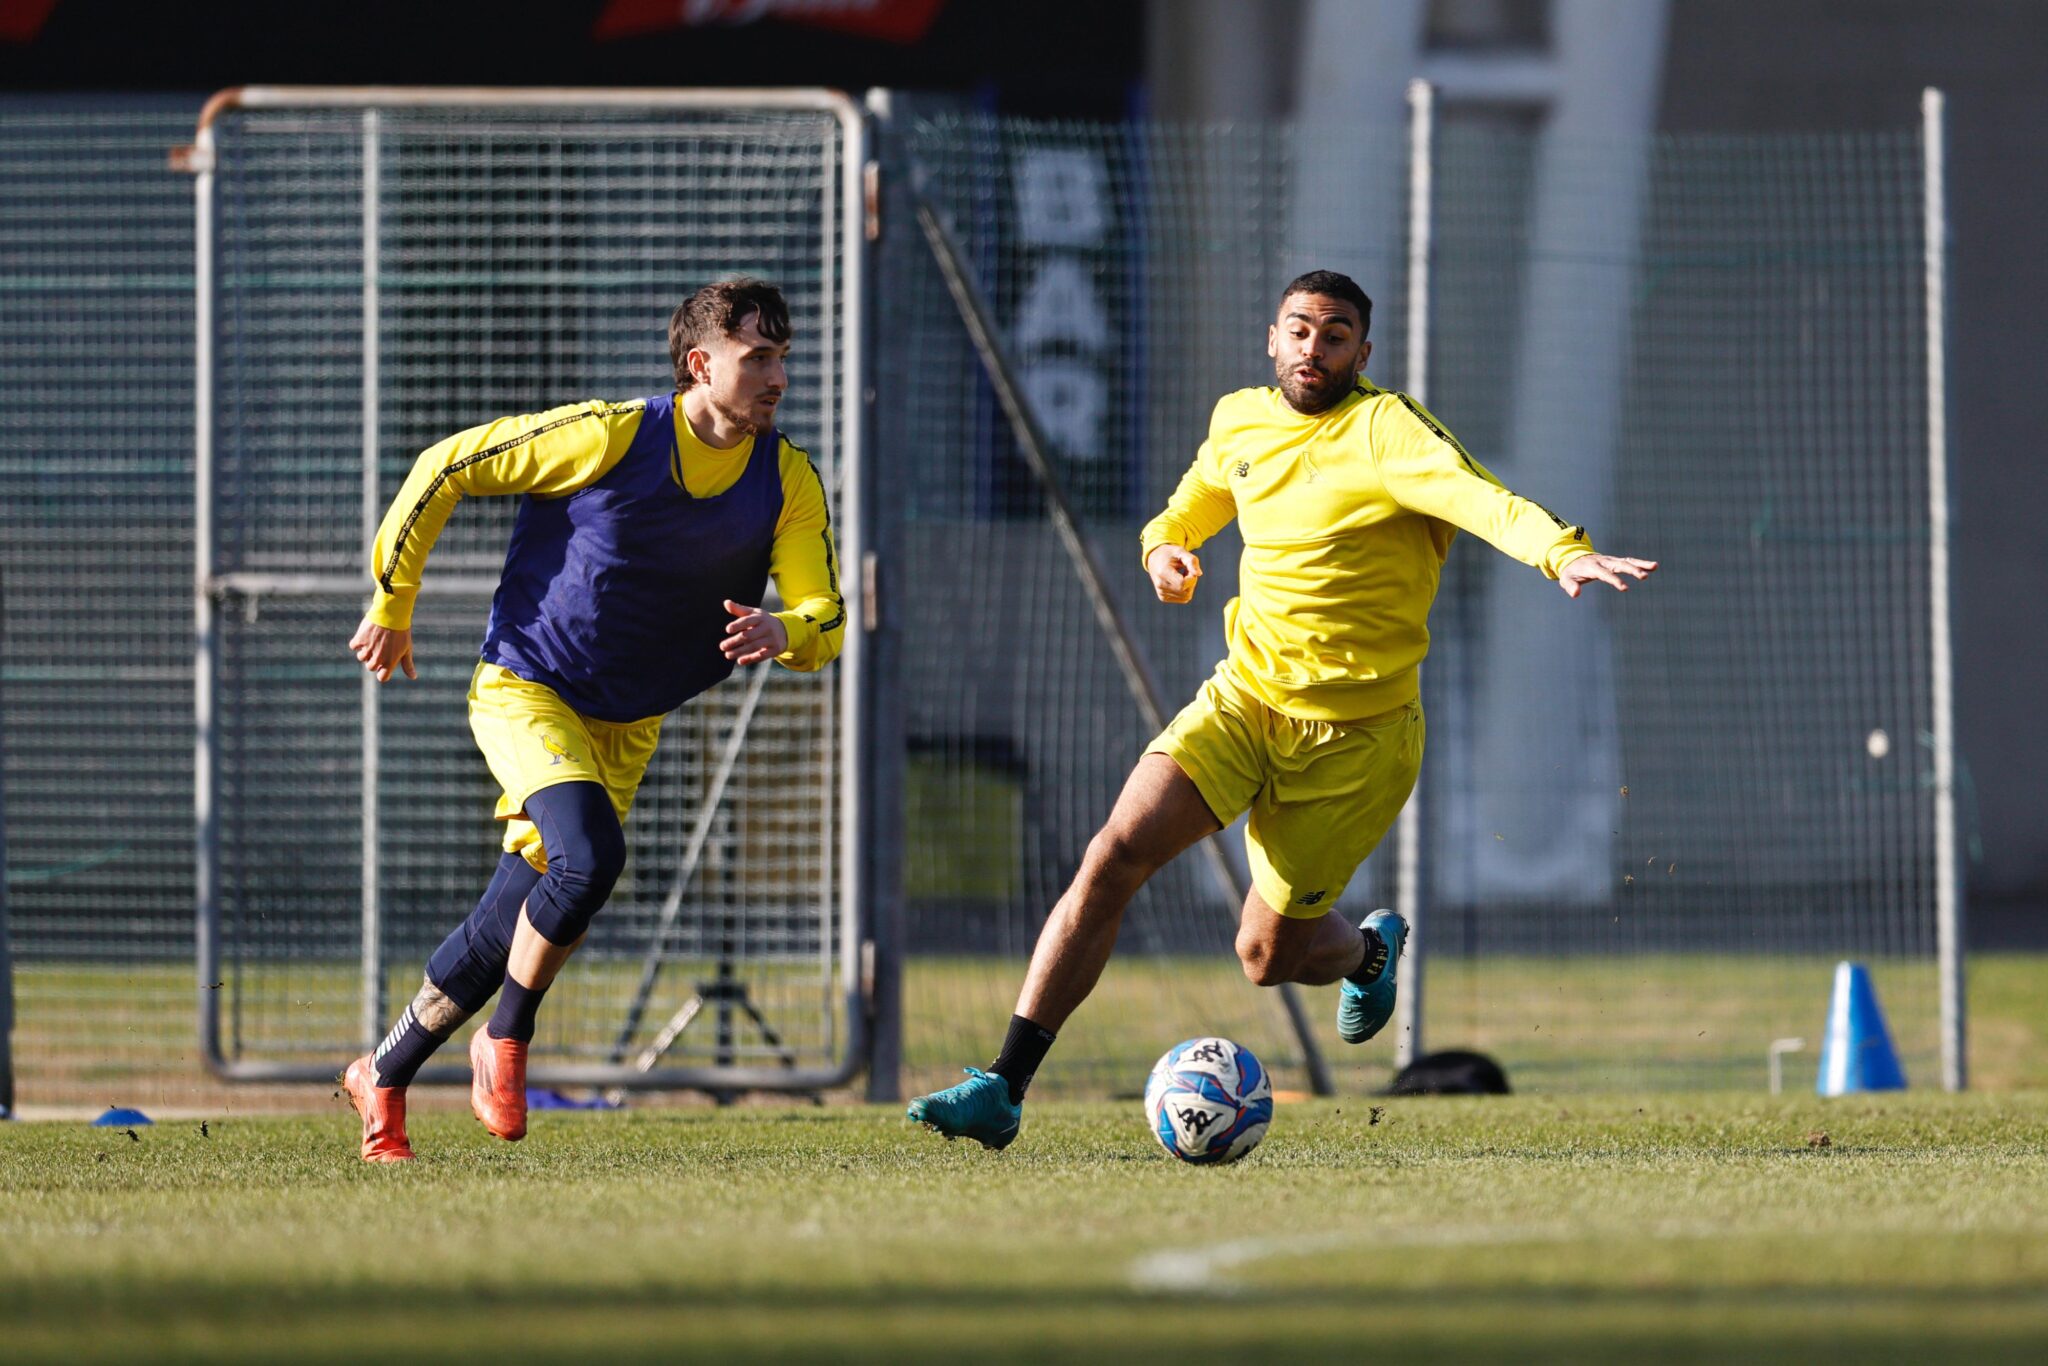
(802, 633)
(392, 611)
(1565, 552)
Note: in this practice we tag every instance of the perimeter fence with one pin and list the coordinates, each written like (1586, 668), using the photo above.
(1651, 824)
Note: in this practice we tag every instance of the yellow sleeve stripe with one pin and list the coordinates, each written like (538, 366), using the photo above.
(831, 555)
(1422, 416)
(456, 467)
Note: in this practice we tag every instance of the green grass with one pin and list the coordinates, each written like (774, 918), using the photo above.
(1594, 1229)
(98, 1035)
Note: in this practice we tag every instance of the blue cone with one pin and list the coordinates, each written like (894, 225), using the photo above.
(120, 1117)
(1856, 1053)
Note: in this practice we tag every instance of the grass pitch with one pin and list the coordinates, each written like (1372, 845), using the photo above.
(1582, 1229)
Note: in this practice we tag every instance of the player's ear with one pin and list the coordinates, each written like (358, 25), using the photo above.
(1273, 339)
(699, 361)
(1364, 354)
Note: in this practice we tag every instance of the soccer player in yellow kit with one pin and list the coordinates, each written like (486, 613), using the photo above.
(648, 533)
(1348, 497)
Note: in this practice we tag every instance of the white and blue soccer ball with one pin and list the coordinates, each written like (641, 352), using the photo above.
(1209, 1101)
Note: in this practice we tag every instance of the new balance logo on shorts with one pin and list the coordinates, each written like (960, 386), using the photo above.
(1311, 899)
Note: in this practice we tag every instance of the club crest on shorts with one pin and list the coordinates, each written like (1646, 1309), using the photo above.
(556, 748)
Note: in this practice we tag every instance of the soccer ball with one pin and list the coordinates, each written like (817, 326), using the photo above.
(1209, 1101)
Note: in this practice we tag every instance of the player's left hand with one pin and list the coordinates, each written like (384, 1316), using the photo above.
(1608, 569)
(752, 635)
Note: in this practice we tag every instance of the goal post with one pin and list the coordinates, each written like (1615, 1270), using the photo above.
(377, 267)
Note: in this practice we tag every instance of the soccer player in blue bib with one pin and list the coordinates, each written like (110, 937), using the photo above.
(1348, 496)
(647, 536)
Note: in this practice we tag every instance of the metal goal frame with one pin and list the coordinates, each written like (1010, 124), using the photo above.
(846, 221)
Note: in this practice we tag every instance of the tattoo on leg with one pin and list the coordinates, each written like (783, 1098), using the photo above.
(437, 1014)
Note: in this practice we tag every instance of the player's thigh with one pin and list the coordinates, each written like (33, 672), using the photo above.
(1328, 807)
(1216, 746)
(1159, 813)
(623, 752)
(529, 737)
(532, 740)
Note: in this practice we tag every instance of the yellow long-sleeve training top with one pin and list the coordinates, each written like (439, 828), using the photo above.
(665, 504)
(1346, 517)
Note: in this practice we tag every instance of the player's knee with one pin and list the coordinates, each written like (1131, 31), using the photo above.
(469, 966)
(1114, 855)
(1262, 961)
(586, 854)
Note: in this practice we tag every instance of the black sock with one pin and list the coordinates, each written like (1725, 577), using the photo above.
(517, 1005)
(1375, 961)
(408, 1045)
(1023, 1049)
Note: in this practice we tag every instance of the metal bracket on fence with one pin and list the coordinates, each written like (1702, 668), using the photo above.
(1138, 677)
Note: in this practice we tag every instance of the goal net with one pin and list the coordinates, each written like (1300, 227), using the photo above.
(378, 269)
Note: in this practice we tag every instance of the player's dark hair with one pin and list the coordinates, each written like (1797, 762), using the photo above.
(1331, 285)
(721, 310)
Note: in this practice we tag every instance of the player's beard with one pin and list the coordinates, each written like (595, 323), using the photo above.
(738, 417)
(1300, 396)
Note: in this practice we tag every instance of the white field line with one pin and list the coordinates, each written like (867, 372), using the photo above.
(1189, 1271)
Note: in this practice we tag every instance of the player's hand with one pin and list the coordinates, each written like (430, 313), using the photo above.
(382, 650)
(1607, 569)
(752, 635)
(1174, 570)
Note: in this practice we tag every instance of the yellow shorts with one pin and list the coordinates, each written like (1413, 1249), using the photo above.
(532, 739)
(1321, 793)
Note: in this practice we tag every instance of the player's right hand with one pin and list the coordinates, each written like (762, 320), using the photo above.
(382, 650)
(1174, 570)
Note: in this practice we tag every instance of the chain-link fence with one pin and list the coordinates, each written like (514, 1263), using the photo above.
(1652, 823)
(96, 549)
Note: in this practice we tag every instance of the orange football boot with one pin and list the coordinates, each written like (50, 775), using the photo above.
(497, 1092)
(383, 1112)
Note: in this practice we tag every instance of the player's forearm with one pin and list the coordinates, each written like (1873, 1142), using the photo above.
(1530, 532)
(804, 563)
(1197, 510)
(1187, 525)
(817, 630)
(398, 557)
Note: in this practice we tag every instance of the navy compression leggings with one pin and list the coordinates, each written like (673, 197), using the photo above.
(586, 852)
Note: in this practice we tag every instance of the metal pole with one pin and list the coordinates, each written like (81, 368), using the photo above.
(1408, 830)
(877, 705)
(1948, 901)
(372, 1020)
(855, 820)
(205, 826)
(6, 955)
(1137, 672)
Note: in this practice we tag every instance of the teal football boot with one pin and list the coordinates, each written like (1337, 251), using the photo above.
(979, 1108)
(1362, 1011)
